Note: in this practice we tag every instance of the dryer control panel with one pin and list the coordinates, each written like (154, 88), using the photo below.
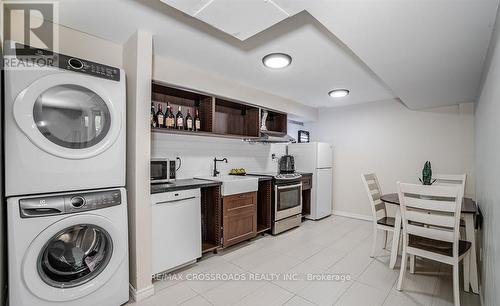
(88, 67)
(68, 203)
(43, 57)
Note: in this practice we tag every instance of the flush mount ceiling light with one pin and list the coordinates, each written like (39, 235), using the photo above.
(338, 93)
(277, 60)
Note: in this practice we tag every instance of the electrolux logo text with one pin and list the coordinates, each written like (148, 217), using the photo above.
(30, 34)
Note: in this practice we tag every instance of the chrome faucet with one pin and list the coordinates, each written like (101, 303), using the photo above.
(215, 165)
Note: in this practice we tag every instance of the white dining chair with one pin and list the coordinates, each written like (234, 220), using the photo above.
(450, 180)
(467, 224)
(434, 236)
(379, 213)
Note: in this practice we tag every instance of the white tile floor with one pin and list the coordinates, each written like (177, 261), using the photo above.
(335, 245)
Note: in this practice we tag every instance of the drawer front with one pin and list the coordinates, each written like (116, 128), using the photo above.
(306, 182)
(234, 204)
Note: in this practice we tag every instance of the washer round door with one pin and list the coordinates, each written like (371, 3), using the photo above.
(68, 115)
(73, 257)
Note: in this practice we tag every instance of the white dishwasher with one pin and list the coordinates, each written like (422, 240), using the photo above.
(176, 229)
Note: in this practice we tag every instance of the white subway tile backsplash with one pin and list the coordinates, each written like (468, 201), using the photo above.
(197, 154)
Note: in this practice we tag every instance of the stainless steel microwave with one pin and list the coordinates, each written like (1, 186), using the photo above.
(162, 170)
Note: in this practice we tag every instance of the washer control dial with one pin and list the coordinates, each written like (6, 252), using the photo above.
(77, 201)
(75, 63)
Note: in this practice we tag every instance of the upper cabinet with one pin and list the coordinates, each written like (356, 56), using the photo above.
(184, 101)
(232, 118)
(275, 122)
(216, 116)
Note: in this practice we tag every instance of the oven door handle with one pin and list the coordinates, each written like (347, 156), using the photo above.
(289, 187)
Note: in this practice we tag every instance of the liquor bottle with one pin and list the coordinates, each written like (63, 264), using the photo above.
(197, 121)
(170, 118)
(160, 117)
(179, 120)
(189, 121)
(154, 119)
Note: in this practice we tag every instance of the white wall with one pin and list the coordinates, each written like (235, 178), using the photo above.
(487, 127)
(389, 139)
(75, 43)
(197, 154)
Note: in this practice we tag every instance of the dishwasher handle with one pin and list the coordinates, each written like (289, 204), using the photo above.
(174, 201)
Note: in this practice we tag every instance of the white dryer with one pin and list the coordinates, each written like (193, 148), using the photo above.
(64, 127)
(68, 249)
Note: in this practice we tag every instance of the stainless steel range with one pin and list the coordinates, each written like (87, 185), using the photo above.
(287, 201)
(287, 204)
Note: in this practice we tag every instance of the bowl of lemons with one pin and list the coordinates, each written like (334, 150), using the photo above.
(239, 171)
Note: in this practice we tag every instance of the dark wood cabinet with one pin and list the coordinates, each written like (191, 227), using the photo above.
(210, 218)
(306, 194)
(220, 117)
(187, 100)
(276, 122)
(232, 118)
(239, 218)
(264, 206)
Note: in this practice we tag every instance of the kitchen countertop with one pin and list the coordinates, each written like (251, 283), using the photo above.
(261, 177)
(268, 176)
(183, 184)
(305, 173)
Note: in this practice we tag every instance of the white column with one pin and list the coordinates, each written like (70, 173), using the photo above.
(137, 61)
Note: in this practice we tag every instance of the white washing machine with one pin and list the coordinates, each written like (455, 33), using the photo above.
(68, 249)
(64, 126)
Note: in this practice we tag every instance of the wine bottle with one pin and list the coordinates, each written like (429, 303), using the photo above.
(169, 118)
(179, 120)
(154, 120)
(189, 121)
(197, 121)
(160, 117)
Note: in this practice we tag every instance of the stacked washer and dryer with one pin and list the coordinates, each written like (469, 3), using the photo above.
(64, 182)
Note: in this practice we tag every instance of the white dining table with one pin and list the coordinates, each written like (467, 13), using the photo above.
(468, 212)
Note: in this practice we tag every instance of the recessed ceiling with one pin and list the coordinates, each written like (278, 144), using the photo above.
(241, 19)
(425, 53)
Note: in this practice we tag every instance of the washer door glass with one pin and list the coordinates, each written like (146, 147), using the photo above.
(74, 256)
(72, 116)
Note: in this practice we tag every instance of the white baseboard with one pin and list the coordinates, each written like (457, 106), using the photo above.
(351, 215)
(142, 294)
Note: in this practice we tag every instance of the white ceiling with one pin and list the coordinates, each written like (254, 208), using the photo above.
(426, 52)
(243, 15)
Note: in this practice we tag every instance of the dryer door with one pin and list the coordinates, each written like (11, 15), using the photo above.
(73, 257)
(68, 115)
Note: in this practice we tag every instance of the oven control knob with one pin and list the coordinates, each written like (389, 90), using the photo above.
(77, 201)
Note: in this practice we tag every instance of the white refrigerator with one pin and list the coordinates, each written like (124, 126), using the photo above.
(316, 158)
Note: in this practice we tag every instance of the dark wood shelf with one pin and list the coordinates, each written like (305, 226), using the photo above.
(210, 218)
(208, 247)
(236, 119)
(262, 229)
(276, 123)
(200, 133)
(264, 206)
(306, 194)
(187, 100)
(220, 117)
